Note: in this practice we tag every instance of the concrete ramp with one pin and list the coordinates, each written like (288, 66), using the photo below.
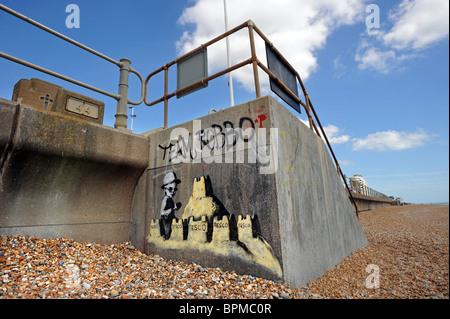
(65, 177)
(249, 189)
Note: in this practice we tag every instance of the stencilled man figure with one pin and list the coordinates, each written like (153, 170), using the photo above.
(168, 206)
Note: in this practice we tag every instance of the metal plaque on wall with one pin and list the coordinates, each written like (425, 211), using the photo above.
(191, 70)
(285, 74)
(82, 107)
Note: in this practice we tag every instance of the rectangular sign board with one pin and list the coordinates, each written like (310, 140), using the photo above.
(285, 75)
(190, 70)
(82, 107)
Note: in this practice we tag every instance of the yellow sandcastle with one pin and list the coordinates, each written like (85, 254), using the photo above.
(198, 215)
(199, 204)
(256, 248)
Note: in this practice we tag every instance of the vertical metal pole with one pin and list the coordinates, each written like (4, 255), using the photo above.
(166, 101)
(255, 62)
(308, 111)
(132, 117)
(230, 77)
(121, 114)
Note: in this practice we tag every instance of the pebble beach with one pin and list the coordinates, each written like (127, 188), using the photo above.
(407, 258)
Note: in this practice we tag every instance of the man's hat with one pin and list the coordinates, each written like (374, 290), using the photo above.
(170, 177)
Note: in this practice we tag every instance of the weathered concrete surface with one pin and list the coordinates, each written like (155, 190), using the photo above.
(304, 216)
(48, 96)
(238, 186)
(60, 176)
(365, 202)
(319, 227)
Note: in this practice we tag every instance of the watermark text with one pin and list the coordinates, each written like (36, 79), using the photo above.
(73, 19)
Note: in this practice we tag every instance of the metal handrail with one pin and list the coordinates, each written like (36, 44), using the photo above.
(123, 64)
(59, 35)
(125, 69)
(255, 62)
(365, 190)
(63, 77)
(166, 67)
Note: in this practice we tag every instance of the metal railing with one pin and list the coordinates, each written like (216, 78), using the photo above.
(125, 69)
(367, 191)
(123, 64)
(307, 105)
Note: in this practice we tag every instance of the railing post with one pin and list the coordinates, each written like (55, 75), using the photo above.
(308, 111)
(166, 92)
(254, 58)
(121, 114)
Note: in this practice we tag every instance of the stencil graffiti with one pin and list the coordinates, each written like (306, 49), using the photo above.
(168, 206)
(203, 202)
(207, 226)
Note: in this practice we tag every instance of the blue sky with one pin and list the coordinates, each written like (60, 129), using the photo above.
(382, 93)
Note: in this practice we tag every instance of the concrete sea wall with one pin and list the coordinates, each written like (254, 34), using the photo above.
(366, 203)
(249, 189)
(279, 174)
(64, 177)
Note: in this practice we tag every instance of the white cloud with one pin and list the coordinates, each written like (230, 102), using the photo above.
(297, 28)
(333, 133)
(383, 61)
(416, 25)
(345, 162)
(391, 140)
(376, 59)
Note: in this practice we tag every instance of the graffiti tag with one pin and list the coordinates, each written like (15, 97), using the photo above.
(217, 143)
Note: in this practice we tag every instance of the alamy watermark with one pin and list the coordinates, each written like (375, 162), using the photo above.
(73, 19)
(373, 19)
(373, 280)
(223, 145)
(72, 280)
